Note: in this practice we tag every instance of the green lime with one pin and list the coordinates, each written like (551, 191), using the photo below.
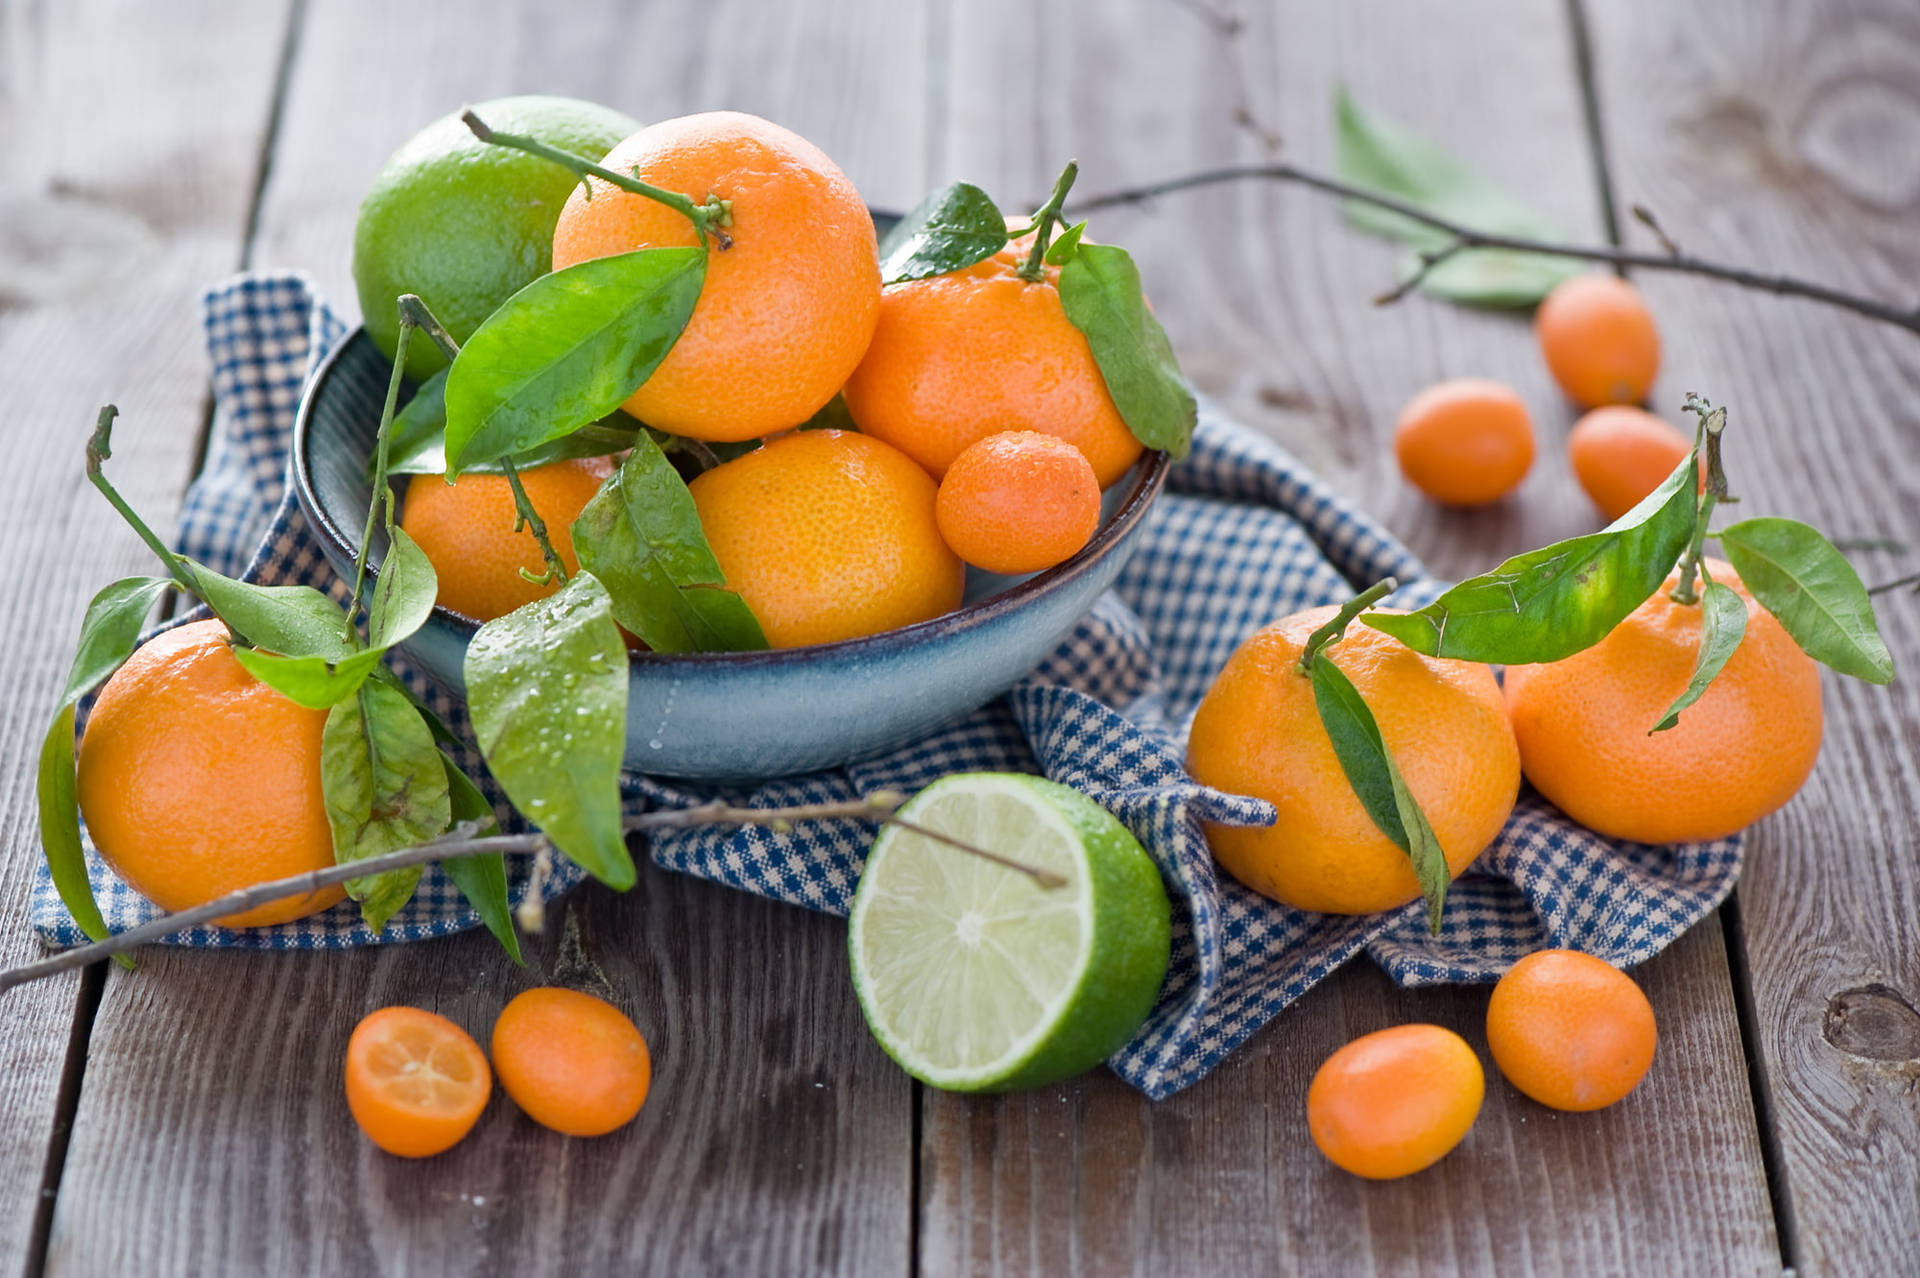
(976, 978)
(466, 225)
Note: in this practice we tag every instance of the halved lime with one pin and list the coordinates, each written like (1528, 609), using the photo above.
(976, 978)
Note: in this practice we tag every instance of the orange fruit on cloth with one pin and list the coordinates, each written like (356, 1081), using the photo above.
(1570, 1030)
(1599, 340)
(197, 780)
(416, 1082)
(1737, 754)
(787, 307)
(828, 535)
(1395, 1101)
(573, 1062)
(466, 530)
(1258, 732)
(1621, 453)
(1465, 442)
(1018, 502)
(978, 352)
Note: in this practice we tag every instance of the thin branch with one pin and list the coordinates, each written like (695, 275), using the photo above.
(1229, 27)
(1644, 215)
(525, 516)
(1911, 579)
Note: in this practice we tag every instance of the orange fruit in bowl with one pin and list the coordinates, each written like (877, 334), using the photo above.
(977, 352)
(1599, 340)
(828, 535)
(466, 530)
(1258, 732)
(572, 1062)
(1738, 753)
(1018, 502)
(790, 297)
(1395, 1101)
(416, 1082)
(1570, 1030)
(1621, 453)
(196, 779)
(1465, 442)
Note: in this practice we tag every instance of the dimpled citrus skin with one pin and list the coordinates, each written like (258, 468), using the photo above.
(785, 313)
(1737, 754)
(973, 353)
(1465, 442)
(828, 535)
(1258, 732)
(1620, 454)
(1599, 340)
(1395, 1101)
(196, 779)
(1018, 502)
(573, 1062)
(466, 530)
(1570, 1030)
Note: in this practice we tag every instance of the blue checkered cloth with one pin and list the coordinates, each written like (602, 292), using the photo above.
(1244, 534)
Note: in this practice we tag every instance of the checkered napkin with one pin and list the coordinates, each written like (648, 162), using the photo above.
(1242, 536)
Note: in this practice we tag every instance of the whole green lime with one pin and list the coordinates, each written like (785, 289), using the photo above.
(464, 224)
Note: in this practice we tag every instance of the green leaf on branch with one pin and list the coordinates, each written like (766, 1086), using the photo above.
(419, 445)
(293, 621)
(547, 690)
(1377, 781)
(482, 880)
(1100, 290)
(948, 231)
(385, 788)
(1723, 623)
(1384, 157)
(1061, 251)
(641, 536)
(110, 632)
(1803, 580)
(403, 593)
(567, 350)
(313, 682)
(1553, 602)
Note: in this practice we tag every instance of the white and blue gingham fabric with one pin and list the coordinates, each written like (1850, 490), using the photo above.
(1242, 536)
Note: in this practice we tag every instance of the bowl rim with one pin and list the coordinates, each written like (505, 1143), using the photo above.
(1149, 478)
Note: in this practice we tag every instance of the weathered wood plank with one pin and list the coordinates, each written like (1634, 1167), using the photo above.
(1266, 294)
(128, 148)
(1789, 136)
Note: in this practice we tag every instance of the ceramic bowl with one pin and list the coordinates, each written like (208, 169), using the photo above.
(751, 715)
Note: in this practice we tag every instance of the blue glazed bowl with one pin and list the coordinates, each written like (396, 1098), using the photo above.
(748, 715)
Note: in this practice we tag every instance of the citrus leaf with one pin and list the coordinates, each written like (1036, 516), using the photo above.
(294, 621)
(1552, 602)
(419, 445)
(641, 536)
(313, 682)
(950, 230)
(547, 690)
(1061, 251)
(567, 350)
(403, 592)
(1803, 580)
(1100, 290)
(110, 632)
(1376, 780)
(1723, 623)
(482, 880)
(385, 789)
(1382, 156)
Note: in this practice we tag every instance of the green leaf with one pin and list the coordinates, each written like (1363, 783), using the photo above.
(1552, 602)
(1802, 579)
(481, 879)
(313, 682)
(403, 592)
(950, 230)
(547, 690)
(110, 632)
(567, 350)
(1061, 251)
(1381, 156)
(1723, 623)
(1100, 289)
(1377, 781)
(641, 536)
(294, 621)
(419, 445)
(385, 789)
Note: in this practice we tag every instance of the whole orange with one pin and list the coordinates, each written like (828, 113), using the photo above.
(416, 1082)
(1465, 442)
(466, 530)
(1018, 502)
(197, 780)
(1599, 340)
(976, 352)
(1258, 732)
(828, 535)
(1569, 1030)
(1621, 453)
(791, 295)
(1741, 751)
(573, 1062)
(1395, 1101)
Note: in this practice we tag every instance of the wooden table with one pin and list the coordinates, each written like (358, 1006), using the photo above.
(187, 1119)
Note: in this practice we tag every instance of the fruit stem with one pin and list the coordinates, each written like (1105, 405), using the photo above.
(413, 310)
(99, 449)
(525, 516)
(1033, 270)
(1338, 625)
(708, 218)
(1706, 449)
(382, 499)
